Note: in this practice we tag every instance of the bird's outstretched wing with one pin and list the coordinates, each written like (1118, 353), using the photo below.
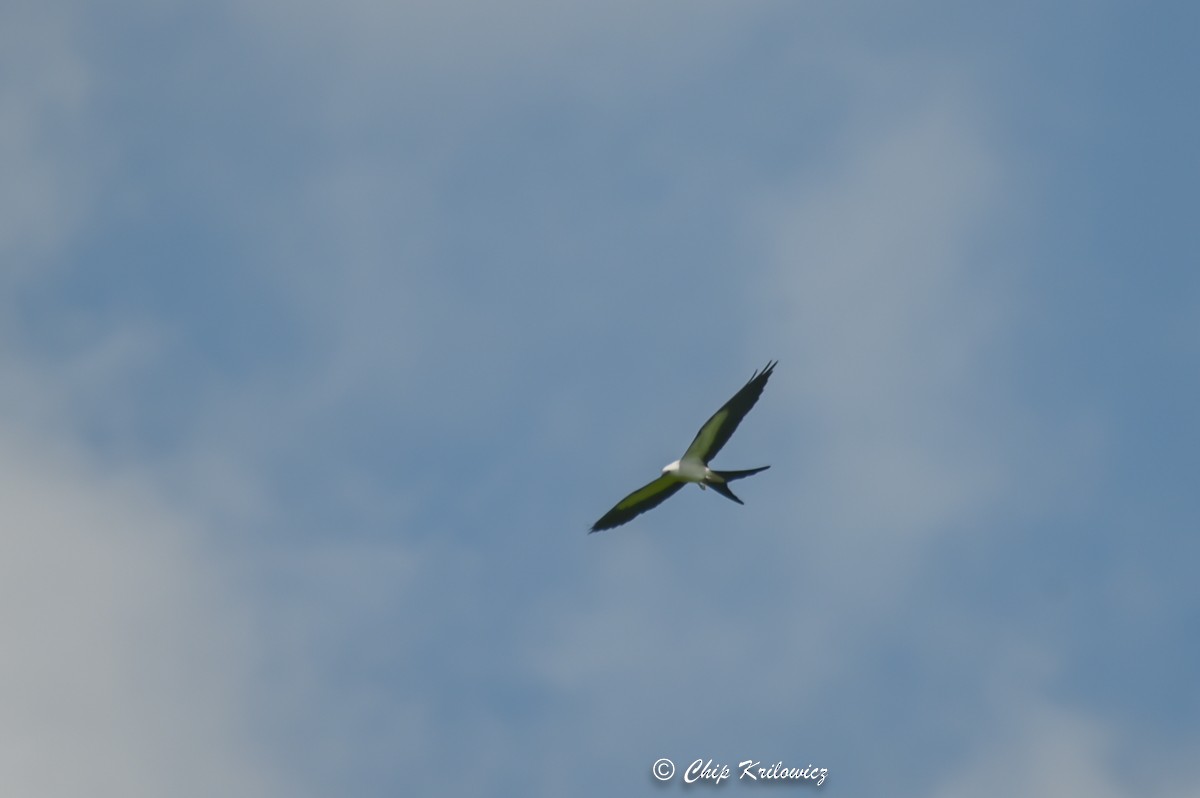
(644, 498)
(717, 430)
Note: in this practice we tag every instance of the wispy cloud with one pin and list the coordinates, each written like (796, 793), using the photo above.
(129, 665)
(881, 286)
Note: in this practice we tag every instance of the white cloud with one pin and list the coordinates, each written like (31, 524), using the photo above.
(895, 323)
(128, 661)
(1039, 749)
(1050, 752)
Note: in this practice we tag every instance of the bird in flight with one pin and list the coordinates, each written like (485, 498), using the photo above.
(693, 466)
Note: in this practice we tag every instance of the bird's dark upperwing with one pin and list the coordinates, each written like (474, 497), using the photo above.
(644, 498)
(717, 430)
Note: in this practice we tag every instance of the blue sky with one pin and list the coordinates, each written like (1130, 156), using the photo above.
(328, 329)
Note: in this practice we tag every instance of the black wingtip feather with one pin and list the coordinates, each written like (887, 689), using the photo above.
(724, 490)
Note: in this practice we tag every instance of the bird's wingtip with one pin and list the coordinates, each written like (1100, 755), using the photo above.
(765, 372)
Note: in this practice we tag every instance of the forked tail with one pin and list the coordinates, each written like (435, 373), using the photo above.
(729, 476)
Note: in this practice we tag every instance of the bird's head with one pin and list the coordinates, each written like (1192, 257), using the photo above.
(671, 468)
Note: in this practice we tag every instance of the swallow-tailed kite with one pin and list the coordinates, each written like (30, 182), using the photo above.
(693, 466)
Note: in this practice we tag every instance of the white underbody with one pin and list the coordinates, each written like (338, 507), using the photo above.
(688, 470)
